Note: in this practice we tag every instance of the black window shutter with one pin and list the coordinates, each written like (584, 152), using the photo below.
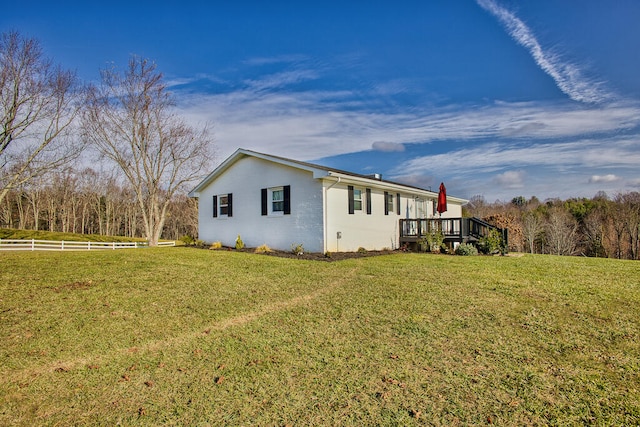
(398, 203)
(368, 201)
(351, 201)
(386, 203)
(287, 199)
(215, 206)
(230, 204)
(264, 201)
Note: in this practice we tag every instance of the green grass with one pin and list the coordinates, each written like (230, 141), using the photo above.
(181, 336)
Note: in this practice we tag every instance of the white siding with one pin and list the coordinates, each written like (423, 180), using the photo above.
(245, 179)
(453, 211)
(375, 231)
(372, 232)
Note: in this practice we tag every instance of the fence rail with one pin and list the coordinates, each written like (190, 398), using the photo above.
(63, 245)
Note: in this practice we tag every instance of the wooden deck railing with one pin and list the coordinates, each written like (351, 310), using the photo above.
(453, 229)
(418, 228)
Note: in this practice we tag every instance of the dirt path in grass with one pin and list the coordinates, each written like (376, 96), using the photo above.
(222, 325)
(271, 308)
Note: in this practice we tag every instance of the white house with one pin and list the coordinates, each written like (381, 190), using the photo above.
(282, 202)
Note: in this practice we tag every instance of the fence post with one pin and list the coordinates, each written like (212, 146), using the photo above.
(62, 246)
(89, 245)
(33, 244)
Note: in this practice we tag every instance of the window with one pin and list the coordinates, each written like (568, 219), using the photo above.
(421, 208)
(222, 205)
(355, 199)
(388, 203)
(276, 200)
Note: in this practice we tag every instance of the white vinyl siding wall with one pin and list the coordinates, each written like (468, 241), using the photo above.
(371, 231)
(376, 230)
(245, 179)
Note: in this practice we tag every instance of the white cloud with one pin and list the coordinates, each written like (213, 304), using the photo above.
(269, 60)
(314, 124)
(556, 144)
(522, 129)
(568, 77)
(172, 82)
(292, 125)
(510, 179)
(603, 178)
(279, 80)
(494, 157)
(387, 146)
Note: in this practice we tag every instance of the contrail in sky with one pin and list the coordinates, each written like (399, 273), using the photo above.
(568, 77)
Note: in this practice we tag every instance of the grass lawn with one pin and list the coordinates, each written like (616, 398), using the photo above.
(181, 336)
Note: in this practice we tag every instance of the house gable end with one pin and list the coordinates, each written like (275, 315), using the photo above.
(317, 171)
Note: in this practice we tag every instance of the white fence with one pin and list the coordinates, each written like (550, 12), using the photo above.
(62, 245)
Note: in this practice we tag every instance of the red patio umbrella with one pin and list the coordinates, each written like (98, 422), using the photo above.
(442, 199)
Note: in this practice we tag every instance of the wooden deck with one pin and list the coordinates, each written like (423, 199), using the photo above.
(460, 230)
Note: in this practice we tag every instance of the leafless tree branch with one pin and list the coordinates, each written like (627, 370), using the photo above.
(38, 106)
(130, 119)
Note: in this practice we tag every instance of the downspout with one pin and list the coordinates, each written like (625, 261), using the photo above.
(325, 214)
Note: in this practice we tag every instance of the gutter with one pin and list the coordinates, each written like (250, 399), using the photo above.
(325, 214)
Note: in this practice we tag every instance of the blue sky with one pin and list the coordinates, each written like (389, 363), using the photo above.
(496, 98)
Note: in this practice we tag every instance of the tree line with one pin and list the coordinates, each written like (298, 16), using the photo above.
(90, 202)
(595, 227)
(127, 123)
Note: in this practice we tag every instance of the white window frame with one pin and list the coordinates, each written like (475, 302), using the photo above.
(225, 205)
(271, 194)
(358, 201)
(391, 206)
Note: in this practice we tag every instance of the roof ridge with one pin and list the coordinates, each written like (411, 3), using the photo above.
(372, 176)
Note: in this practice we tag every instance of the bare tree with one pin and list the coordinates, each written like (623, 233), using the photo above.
(131, 120)
(630, 211)
(618, 227)
(182, 218)
(532, 227)
(478, 207)
(34, 193)
(38, 105)
(561, 232)
(593, 231)
(6, 212)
